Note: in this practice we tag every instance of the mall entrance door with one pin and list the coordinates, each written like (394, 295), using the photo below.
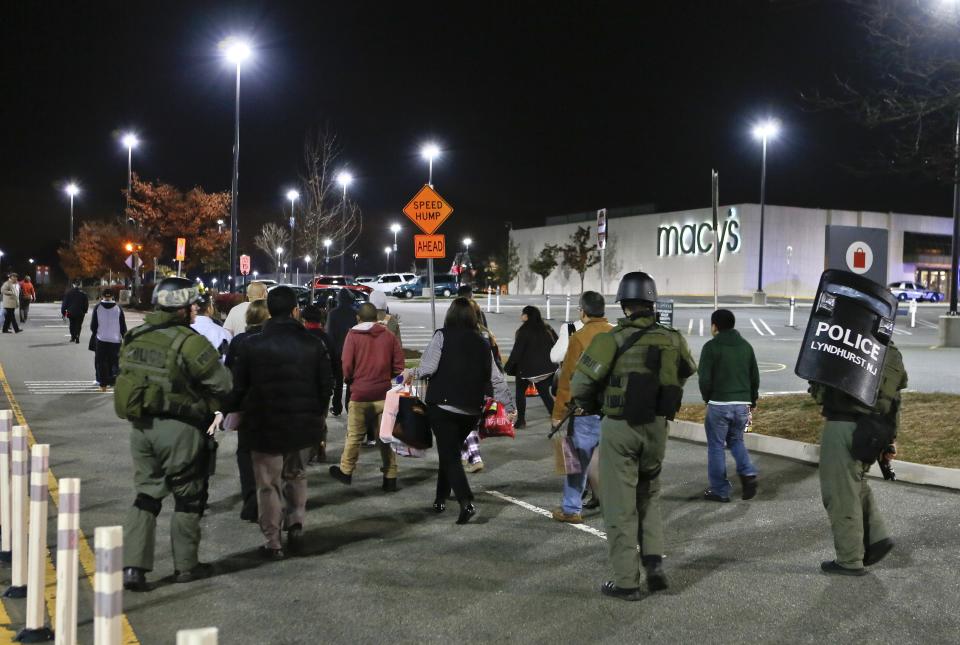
(934, 278)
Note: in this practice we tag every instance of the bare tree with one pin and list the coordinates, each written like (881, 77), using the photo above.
(271, 237)
(327, 215)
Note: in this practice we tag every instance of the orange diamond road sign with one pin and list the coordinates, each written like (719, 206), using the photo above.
(430, 246)
(428, 210)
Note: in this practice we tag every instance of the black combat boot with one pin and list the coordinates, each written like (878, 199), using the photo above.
(135, 579)
(656, 579)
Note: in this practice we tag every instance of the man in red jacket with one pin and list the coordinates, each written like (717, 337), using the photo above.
(371, 358)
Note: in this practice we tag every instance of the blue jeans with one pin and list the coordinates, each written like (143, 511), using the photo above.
(724, 425)
(586, 436)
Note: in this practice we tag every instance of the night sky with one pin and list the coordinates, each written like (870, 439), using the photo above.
(541, 108)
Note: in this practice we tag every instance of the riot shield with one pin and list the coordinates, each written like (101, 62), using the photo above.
(846, 339)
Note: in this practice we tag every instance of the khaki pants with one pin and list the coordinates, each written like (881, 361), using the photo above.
(281, 491)
(359, 415)
(630, 461)
(854, 517)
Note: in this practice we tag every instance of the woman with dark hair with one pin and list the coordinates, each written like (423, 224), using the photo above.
(460, 366)
(530, 360)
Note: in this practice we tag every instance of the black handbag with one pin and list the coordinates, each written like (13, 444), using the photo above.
(92, 345)
(412, 426)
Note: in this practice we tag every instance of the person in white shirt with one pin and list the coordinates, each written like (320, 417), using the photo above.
(236, 321)
(559, 349)
(211, 330)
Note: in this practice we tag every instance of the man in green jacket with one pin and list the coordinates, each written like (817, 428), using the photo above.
(729, 382)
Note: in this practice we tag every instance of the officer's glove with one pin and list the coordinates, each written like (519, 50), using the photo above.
(217, 421)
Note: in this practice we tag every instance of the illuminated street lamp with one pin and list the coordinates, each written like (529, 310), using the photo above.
(395, 228)
(279, 253)
(292, 196)
(387, 250)
(236, 51)
(430, 151)
(344, 179)
(763, 132)
(72, 190)
(326, 261)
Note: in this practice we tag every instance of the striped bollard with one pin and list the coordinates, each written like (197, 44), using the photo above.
(108, 585)
(549, 317)
(68, 537)
(6, 423)
(498, 299)
(489, 296)
(205, 636)
(36, 630)
(566, 311)
(18, 520)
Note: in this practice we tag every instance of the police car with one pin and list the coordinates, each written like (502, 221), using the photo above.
(906, 290)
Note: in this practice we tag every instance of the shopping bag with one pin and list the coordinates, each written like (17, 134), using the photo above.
(495, 422)
(571, 462)
(391, 406)
(412, 426)
(403, 450)
(531, 390)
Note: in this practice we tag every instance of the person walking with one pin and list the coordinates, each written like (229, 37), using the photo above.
(340, 320)
(170, 386)
(283, 383)
(392, 322)
(74, 307)
(860, 537)
(257, 315)
(634, 376)
(584, 431)
(466, 291)
(730, 384)
(530, 362)
(10, 292)
(371, 358)
(313, 319)
(27, 295)
(107, 327)
(207, 327)
(236, 321)
(460, 367)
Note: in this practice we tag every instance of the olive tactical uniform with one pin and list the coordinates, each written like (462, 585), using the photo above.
(634, 376)
(854, 517)
(168, 388)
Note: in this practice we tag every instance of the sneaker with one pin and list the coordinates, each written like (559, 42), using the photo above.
(271, 554)
(474, 467)
(466, 512)
(390, 485)
(877, 551)
(832, 567)
(369, 443)
(340, 476)
(749, 484)
(570, 518)
(608, 588)
(135, 579)
(199, 572)
(713, 497)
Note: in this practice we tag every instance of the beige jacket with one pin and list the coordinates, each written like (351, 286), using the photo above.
(11, 295)
(578, 345)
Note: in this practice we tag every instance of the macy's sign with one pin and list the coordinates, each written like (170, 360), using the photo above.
(699, 239)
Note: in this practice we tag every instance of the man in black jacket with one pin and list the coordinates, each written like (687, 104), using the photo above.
(74, 307)
(340, 320)
(282, 381)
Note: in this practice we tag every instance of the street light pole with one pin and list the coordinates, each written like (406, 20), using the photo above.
(236, 51)
(395, 228)
(130, 141)
(72, 189)
(386, 250)
(344, 179)
(955, 254)
(292, 195)
(763, 131)
(429, 152)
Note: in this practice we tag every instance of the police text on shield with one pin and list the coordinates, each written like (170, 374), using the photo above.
(865, 348)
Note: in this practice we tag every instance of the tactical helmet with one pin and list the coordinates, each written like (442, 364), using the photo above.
(175, 293)
(637, 285)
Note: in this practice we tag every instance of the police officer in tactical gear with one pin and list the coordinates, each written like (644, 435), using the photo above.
(854, 436)
(169, 387)
(634, 376)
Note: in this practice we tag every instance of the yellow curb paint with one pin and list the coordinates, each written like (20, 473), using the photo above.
(86, 557)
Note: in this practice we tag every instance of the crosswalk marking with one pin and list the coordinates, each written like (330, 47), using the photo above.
(63, 387)
(754, 323)
(767, 327)
(927, 324)
(690, 328)
(902, 332)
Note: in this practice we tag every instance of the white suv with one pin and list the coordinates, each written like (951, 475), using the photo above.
(387, 282)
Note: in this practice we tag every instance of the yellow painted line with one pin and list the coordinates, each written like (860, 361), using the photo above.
(86, 557)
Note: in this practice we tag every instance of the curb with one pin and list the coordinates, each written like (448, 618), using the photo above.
(810, 453)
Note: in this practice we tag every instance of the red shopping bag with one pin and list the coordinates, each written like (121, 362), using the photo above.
(495, 422)
(531, 390)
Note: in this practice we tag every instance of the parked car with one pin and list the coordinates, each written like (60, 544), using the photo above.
(303, 293)
(365, 279)
(267, 283)
(444, 284)
(387, 282)
(906, 290)
(933, 295)
(323, 281)
(324, 295)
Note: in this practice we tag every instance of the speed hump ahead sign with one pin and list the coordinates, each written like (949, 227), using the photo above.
(428, 210)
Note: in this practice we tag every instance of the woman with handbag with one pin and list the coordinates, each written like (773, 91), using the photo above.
(459, 365)
(530, 361)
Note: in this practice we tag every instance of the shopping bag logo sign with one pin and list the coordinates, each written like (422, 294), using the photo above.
(859, 257)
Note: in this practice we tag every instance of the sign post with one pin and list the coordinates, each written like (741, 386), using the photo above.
(244, 267)
(715, 201)
(602, 242)
(428, 210)
(181, 253)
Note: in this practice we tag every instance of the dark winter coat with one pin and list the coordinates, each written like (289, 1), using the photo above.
(75, 304)
(531, 352)
(341, 319)
(282, 382)
(728, 369)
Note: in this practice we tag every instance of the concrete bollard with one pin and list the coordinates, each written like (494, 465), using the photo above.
(498, 299)
(68, 537)
(566, 310)
(18, 509)
(549, 317)
(6, 423)
(205, 636)
(108, 585)
(489, 298)
(793, 307)
(36, 631)
(913, 313)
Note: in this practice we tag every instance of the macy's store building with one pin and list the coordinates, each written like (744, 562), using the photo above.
(677, 249)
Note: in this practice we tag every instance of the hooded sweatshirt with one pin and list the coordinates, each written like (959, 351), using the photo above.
(340, 319)
(107, 323)
(728, 370)
(371, 357)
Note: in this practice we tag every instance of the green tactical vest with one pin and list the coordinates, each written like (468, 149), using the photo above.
(635, 360)
(153, 380)
(892, 380)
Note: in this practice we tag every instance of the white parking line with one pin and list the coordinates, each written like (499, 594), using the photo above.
(690, 328)
(929, 325)
(767, 327)
(752, 322)
(902, 332)
(542, 511)
(701, 326)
